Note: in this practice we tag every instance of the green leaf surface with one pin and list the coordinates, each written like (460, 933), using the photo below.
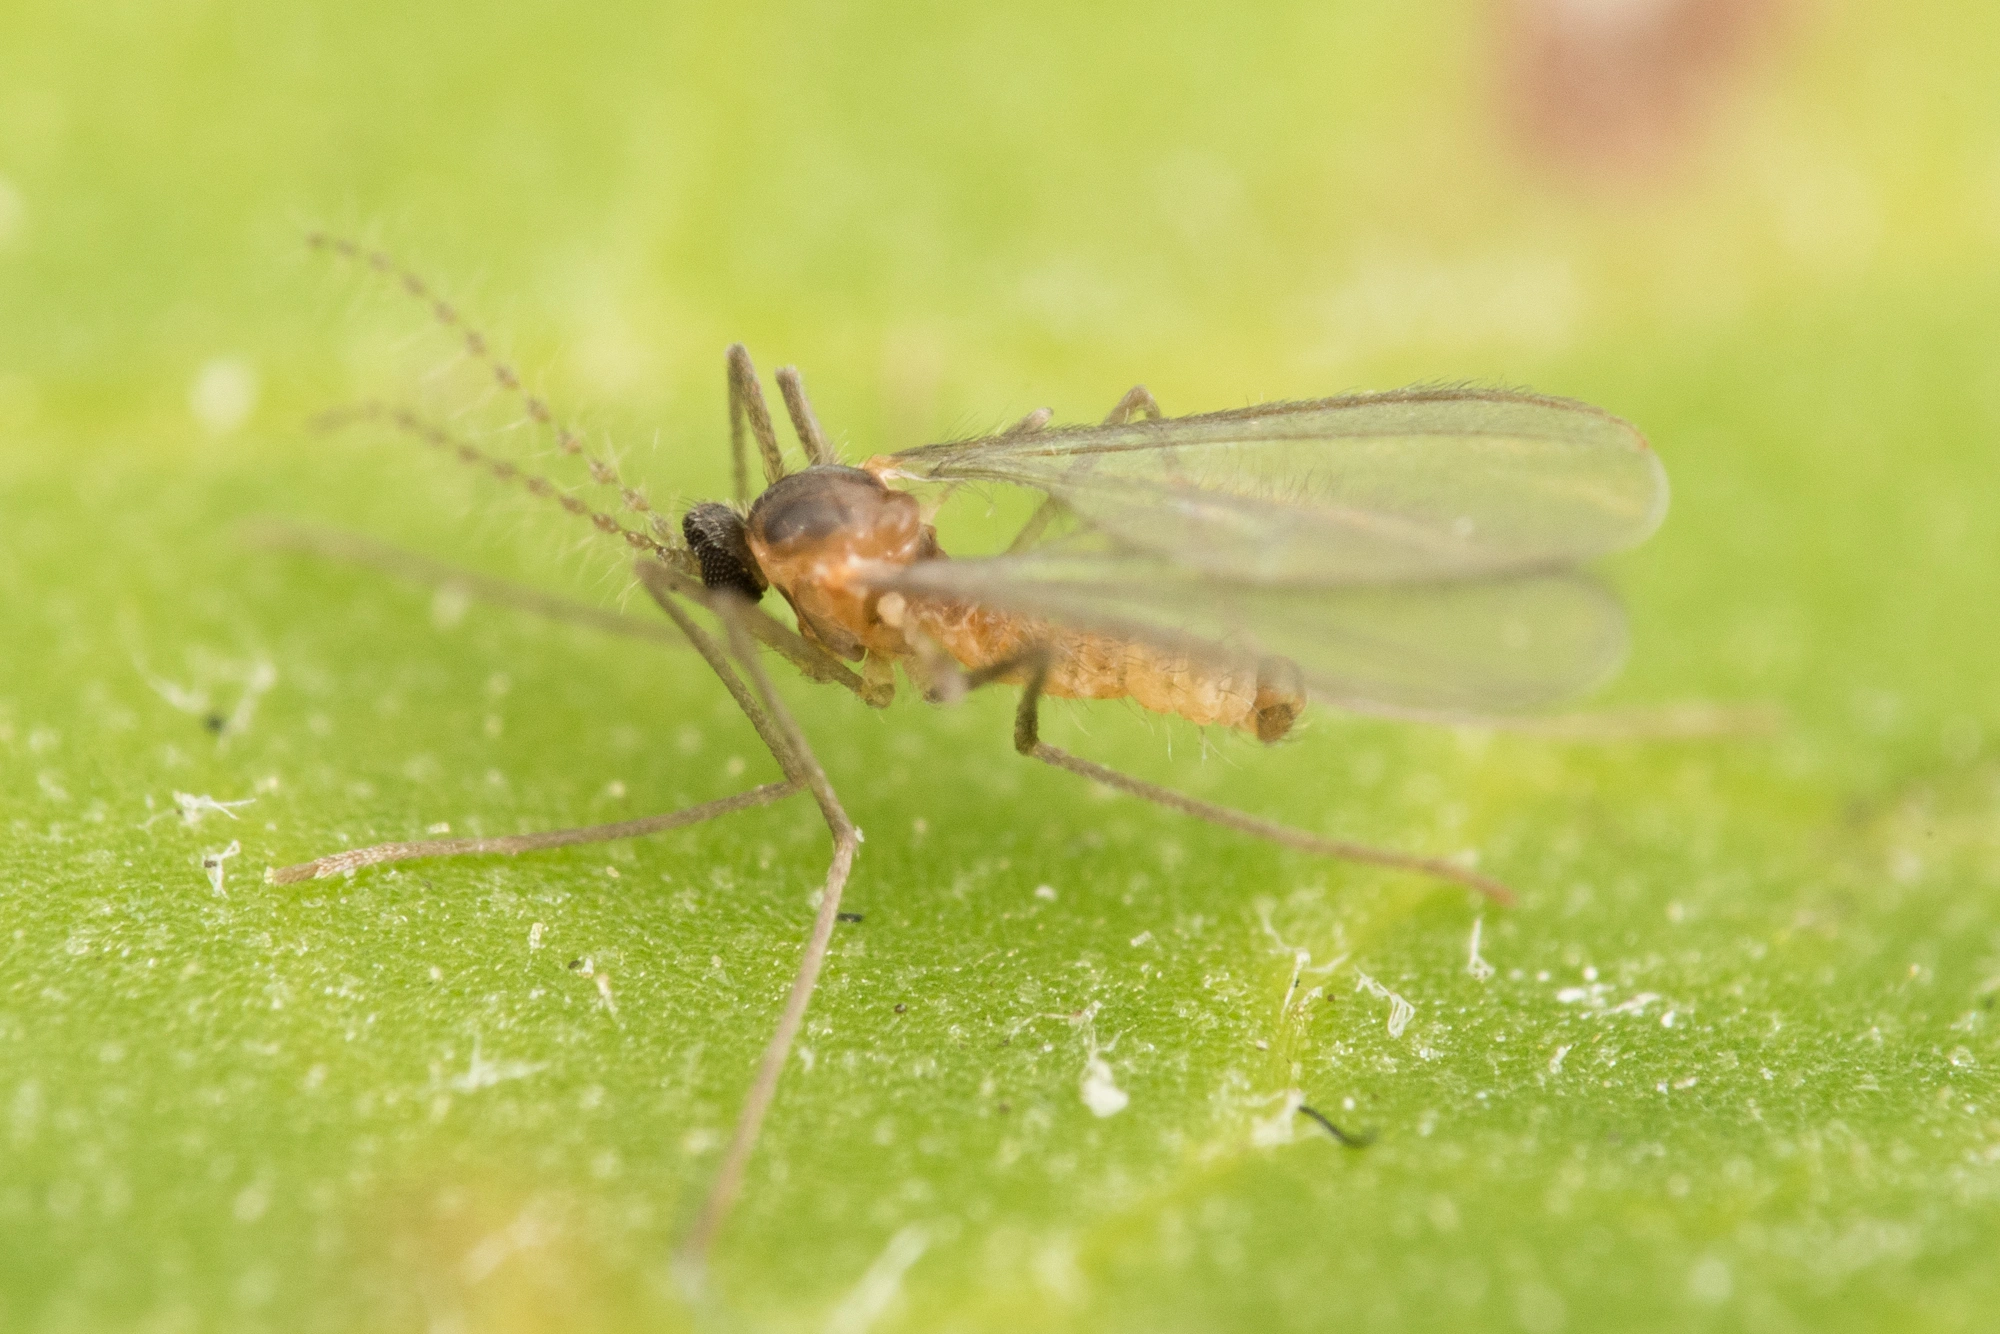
(1731, 1067)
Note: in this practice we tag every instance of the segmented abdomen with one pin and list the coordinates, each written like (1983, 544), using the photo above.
(1263, 699)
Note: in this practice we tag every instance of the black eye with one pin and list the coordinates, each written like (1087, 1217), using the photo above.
(715, 534)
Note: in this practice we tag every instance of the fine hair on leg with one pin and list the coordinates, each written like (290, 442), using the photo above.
(568, 440)
(801, 766)
(1028, 741)
(746, 405)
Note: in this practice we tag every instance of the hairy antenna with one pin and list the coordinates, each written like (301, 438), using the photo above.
(402, 419)
(567, 439)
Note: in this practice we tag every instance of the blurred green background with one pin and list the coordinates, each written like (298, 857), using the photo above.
(1735, 1066)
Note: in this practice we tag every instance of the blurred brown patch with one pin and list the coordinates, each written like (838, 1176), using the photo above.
(476, 1256)
(1622, 89)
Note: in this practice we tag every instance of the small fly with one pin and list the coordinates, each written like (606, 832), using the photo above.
(1413, 554)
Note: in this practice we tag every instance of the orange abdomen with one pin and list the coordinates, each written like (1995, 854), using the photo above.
(1264, 700)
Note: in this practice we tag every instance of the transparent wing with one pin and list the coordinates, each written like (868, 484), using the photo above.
(1412, 486)
(1479, 646)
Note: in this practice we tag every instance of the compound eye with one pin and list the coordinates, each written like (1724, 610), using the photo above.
(719, 540)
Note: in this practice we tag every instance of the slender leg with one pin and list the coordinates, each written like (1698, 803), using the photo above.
(804, 766)
(814, 662)
(1028, 741)
(773, 737)
(1037, 524)
(746, 402)
(804, 421)
(1137, 399)
(353, 860)
(773, 721)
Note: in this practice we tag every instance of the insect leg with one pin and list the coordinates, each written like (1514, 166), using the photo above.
(773, 737)
(818, 449)
(356, 858)
(1037, 524)
(746, 402)
(800, 765)
(814, 662)
(1027, 740)
(1137, 399)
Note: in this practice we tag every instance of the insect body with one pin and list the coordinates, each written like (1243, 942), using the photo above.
(1412, 554)
(832, 539)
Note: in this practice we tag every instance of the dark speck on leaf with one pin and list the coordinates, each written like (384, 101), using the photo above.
(215, 722)
(1360, 1141)
(900, 1007)
(575, 965)
(848, 916)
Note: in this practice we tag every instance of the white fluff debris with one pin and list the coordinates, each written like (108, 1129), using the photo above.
(1098, 1087)
(870, 1298)
(482, 1073)
(193, 807)
(1282, 1125)
(211, 862)
(1475, 965)
(1400, 1010)
(1100, 1090)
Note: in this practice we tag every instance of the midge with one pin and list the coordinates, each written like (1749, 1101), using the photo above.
(1412, 554)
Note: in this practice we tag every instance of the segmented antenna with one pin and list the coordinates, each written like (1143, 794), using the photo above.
(568, 440)
(402, 419)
